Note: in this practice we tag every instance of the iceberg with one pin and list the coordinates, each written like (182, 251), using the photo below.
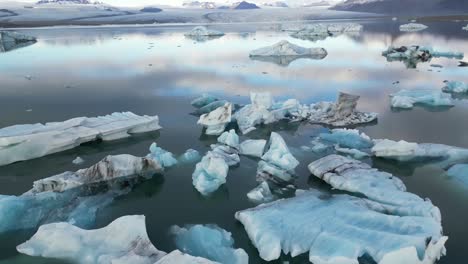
(77, 161)
(210, 107)
(354, 153)
(460, 173)
(465, 28)
(340, 228)
(322, 31)
(277, 162)
(412, 55)
(284, 52)
(201, 32)
(455, 87)
(408, 151)
(251, 147)
(209, 242)
(408, 98)
(203, 100)
(261, 193)
(162, 156)
(190, 156)
(348, 138)
(388, 191)
(177, 257)
(24, 142)
(209, 174)
(123, 241)
(230, 139)
(216, 121)
(412, 27)
(10, 40)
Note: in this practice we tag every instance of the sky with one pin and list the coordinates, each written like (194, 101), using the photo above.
(129, 3)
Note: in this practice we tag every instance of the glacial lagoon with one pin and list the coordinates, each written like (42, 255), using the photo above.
(156, 70)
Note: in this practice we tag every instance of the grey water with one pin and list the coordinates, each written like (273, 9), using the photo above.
(155, 70)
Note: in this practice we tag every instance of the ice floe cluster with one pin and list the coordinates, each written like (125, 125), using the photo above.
(24, 142)
(412, 55)
(408, 98)
(284, 52)
(321, 31)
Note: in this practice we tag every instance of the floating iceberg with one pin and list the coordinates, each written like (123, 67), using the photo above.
(210, 107)
(177, 257)
(203, 100)
(277, 162)
(340, 229)
(348, 138)
(412, 27)
(123, 241)
(412, 55)
(406, 151)
(252, 147)
(77, 161)
(12, 40)
(190, 156)
(201, 31)
(283, 53)
(216, 121)
(407, 98)
(210, 242)
(162, 156)
(322, 31)
(455, 87)
(209, 174)
(261, 193)
(230, 139)
(460, 173)
(24, 142)
(354, 153)
(465, 28)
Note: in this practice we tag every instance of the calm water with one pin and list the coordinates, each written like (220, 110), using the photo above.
(156, 70)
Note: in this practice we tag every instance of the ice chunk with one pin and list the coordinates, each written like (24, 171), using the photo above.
(177, 257)
(110, 168)
(262, 100)
(216, 121)
(210, 107)
(77, 161)
(249, 116)
(261, 193)
(277, 163)
(251, 147)
(407, 98)
(455, 87)
(318, 146)
(460, 173)
(230, 139)
(204, 100)
(209, 174)
(412, 55)
(284, 53)
(465, 28)
(10, 40)
(201, 31)
(322, 31)
(190, 156)
(357, 177)
(161, 156)
(339, 229)
(407, 151)
(412, 27)
(210, 242)
(355, 153)
(123, 241)
(348, 138)
(24, 142)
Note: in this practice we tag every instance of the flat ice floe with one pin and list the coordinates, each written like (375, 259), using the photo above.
(321, 31)
(10, 40)
(125, 240)
(24, 142)
(412, 55)
(408, 98)
(388, 224)
(210, 242)
(284, 52)
(201, 33)
(455, 87)
(412, 27)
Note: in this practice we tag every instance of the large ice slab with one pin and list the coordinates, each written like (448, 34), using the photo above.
(357, 177)
(285, 52)
(409, 151)
(412, 27)
(460, 173)
(123, 241)
(321, 31)
(10, 40)
(216, 121)
(340, 229)
(412, 55)
(408, 98)
(210, 242)
(24, 142)
(455, 87)
(277, 162)
(252, 147)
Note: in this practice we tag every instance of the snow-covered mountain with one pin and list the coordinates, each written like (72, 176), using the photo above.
(404, 6)
(276, 4)
(66, 2)
(198, 4)
(245, 5)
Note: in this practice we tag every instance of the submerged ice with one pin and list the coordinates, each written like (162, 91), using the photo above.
(210, 242)
(408, 98)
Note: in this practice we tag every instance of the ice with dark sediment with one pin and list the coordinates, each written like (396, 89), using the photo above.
(209, 242)
(412, 55)
(215, 121)
(10, 40)
(408, 98)
(24, 142)
(284, 52)
(321, 31)
(381, 220)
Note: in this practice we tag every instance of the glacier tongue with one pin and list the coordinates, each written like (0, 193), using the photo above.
(210, 242)
(24, 142)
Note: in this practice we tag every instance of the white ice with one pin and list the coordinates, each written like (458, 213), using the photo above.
(252, 147)
(285, 48)
(210, 242)
(209, 174)
(77, 161)
(201, 31)
(203, 100)
(24, 142)
(347, 138)
(177, 257)
(321, 31)
(216, 121)
(261, 193)
(412, 27)
(190, 156)
(408, 98)
(455, 87)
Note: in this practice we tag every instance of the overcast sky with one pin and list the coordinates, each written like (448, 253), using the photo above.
(179, 2)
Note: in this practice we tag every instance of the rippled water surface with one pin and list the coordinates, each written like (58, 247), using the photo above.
(156, 70)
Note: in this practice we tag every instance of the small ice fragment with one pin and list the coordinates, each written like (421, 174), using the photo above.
(204, 100)
(348, 138)
(216, 121)
(412, 27)
(162, 156)
(251, 147)
(261, 193)
(190, 156)
(78, 160)
(230, 139)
